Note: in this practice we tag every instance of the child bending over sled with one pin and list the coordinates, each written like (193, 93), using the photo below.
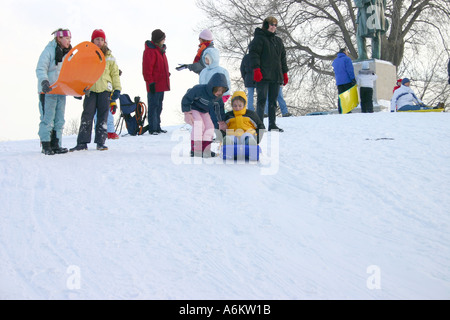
(196, 104)
(244, 130)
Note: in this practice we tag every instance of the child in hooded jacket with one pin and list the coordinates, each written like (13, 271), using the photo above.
(196, 104)
(243, 126)
(98, 99)
(211, 59)
(52, 106)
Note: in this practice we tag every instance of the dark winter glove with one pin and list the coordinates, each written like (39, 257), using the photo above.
(181, 67)
(46, 86)
(87, 92)
(257, 75)
(285, 79)
(115, 95)
(151, 88)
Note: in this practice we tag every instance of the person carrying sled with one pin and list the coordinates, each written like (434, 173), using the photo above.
(196, 104)
(268, 61)
(206, 41)
(52, 106)
(155, 70)
(98, 99)
(243, 125)
(344, 73)
(211, 59)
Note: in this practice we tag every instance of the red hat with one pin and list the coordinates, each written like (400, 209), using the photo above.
(98, 33)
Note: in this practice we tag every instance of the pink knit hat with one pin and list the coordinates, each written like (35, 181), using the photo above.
(98, 33)
(62, 33)
(206, 35)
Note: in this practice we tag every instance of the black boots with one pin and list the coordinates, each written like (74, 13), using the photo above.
(47, 149)
(52, 147)
(54, 144)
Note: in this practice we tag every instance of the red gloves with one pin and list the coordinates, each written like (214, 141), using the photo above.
(285, 79)
(257, 75)
(225, 98)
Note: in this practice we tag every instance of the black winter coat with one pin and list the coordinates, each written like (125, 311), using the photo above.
(267, 52)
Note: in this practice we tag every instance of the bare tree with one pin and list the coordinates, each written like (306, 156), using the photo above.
(71, 127)
(313, 32)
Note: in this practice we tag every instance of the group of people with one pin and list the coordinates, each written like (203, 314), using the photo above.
(403, 98)
(203, 104)
(96, 104)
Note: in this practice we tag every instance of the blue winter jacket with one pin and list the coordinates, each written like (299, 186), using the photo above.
(213, 67)
(202, 99)
(46, 68)
(343, 69)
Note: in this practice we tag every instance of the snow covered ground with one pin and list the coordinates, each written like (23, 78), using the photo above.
(341, 207)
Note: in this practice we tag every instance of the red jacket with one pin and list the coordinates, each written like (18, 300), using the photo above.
(155, 67)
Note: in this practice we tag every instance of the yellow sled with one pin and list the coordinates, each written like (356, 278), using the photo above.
(424, 110)
(349, 99)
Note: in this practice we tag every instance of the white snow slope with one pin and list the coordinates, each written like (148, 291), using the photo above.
(340, 207)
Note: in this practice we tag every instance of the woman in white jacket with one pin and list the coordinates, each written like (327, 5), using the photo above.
(365, 80)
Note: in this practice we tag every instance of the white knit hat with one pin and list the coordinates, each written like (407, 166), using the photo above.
(206, 35)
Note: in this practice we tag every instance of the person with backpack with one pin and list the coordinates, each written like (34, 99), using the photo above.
(155, 70)
(52, 106)
(206, 41)
(211, 59)
(196, 104)
(97, 100)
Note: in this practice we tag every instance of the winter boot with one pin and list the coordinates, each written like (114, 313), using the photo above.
(196, 148)
(113, 135)
(101, 147)
(274, 127)
(79, 147)
(54, 143)
(46, 148)
(207, 153)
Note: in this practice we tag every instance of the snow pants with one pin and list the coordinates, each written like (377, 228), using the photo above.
(96, 102)
(52, 108)
(267, 91)
(203, 129)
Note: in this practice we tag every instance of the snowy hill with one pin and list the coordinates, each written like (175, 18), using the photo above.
(340, 207)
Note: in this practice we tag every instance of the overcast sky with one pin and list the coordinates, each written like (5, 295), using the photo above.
(25, 30)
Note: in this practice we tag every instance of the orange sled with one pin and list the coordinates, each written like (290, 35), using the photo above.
(82, 67)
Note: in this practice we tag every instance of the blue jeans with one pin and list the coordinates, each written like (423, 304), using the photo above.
(52, 108)
(413, 107)
(250, 98)
(109, 124)
(280, 99)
